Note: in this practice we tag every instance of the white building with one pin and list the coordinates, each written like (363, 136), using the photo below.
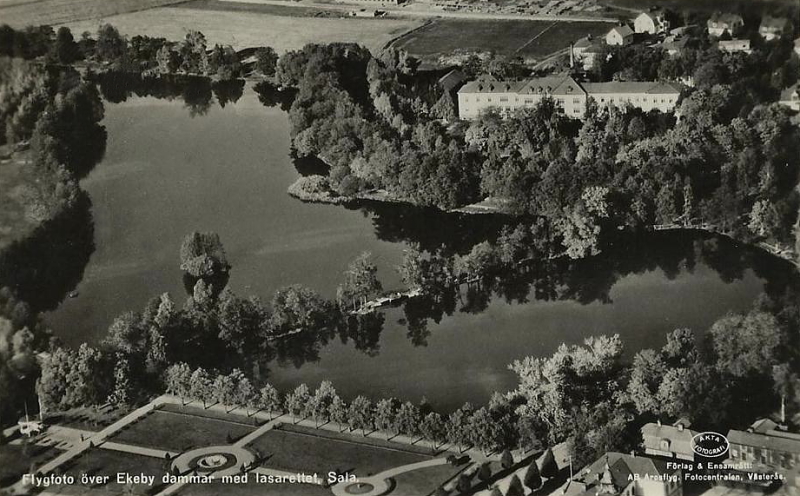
(774, 27)
(734, 46)
(619, 36)
(675, 45)
(587, 52)
(791, 97)
(652, 22)
(720, 22)
(486, 93)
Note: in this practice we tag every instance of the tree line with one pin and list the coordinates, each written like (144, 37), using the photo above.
(139, 54)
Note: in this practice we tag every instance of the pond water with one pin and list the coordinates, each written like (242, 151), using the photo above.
(168, 171)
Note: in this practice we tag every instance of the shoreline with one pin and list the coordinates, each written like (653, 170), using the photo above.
(494, 206)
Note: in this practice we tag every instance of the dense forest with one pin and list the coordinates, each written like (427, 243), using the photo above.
(730, 161)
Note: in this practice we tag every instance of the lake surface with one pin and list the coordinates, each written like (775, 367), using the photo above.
(167, 172)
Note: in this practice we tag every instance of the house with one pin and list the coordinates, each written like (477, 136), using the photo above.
(619, 474)
(765, 446)
(619, 36)
(487, 93)
(670, 441)
(734, 46)
(587, 51)
(791, 97)
(652, 22)
(674, 45)
(719, 23)
(774, 27)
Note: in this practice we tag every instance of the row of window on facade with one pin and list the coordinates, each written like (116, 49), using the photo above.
(612, 99)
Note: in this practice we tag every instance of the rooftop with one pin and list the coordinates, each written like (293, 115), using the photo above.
(769, 22)
(622, 30)
(725, 18)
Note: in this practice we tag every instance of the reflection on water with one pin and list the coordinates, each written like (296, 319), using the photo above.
(165, 174)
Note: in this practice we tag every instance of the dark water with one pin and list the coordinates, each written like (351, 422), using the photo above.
(169, 169)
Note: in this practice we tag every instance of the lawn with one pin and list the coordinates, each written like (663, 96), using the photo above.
(195, 411)
(175, 432)
(303, 451)
(19, 14)
(425, 481)
(98, 461)
(529, 39)
(255, 489)
(243, 29)
(16, 460)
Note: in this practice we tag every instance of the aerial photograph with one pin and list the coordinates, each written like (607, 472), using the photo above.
(400, 247)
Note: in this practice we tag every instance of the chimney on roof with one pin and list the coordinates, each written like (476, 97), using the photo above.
(658, 422)
(571, 55)
(633, 453)
(680, 426)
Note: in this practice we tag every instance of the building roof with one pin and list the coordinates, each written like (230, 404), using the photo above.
(761, 426)
(611, 473)
(680, 440)
(643, 87)
(725, 18)
(565, 85)
(733, 43)
(774, 23)
(765, 441)
(583, 43)
(452, 79)
(624, 31)
(675, 43)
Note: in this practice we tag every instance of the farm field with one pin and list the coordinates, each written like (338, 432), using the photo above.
(178, 432)
(21, 13)
(528, 39)
(242, 29)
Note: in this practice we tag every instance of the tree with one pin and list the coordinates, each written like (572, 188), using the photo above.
(223, 389)
(407, 419)
(64, 50)
(515, 487)
(747, 344)
(533, 479)
(337, 411)
(506, 459)
(483, 431)
(320, 403)
(485, 472)
(296, 308)
(456, 427)
(270, 399)
(361, 282)
(244, 393)
(266, 61)
(123, 389)
(432, 428)
(385, 414)
(203, 256)
(496, 491)
(179, 380)
(580, 233)
(360, 414)
(111, 46)
(297, 400)
(464, 484)
(201, 386)
(193, 52)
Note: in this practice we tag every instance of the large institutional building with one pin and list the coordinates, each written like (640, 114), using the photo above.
(486, 93)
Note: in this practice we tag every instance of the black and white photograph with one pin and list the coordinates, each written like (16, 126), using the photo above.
(400, 247)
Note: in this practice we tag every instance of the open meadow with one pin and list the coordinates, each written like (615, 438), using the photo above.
(242, 29)
(528, 39)
(21, 13)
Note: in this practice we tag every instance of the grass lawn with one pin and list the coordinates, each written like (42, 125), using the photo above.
(425, 481)
(98, 462)
(243, 29)
(254, 489)
(530, 39)
(16, 460)
(194, 411)
(307, 453)
(175, 432)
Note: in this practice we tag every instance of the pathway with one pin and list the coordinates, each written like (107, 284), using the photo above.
(381, 482)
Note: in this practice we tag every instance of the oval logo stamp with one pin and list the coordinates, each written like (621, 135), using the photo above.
(710, 444)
